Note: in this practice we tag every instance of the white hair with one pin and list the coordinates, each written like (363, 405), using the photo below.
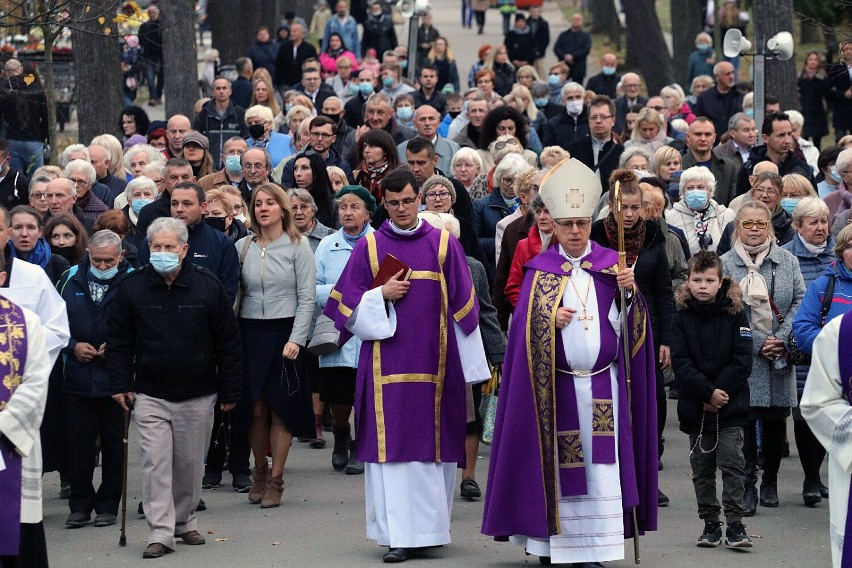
(442, 221)
(103, 239)
(63, 157)
(141, 182)
(796, 117)
(147, 149)
(572, 86)
(168, 225)
(515, 164)
(698, 173)
(76, 166)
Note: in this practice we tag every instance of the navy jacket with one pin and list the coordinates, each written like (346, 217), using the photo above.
(563, 130)
(718, 107)
(88, 324)
(218, 130)
(212, 250)
(487, 212)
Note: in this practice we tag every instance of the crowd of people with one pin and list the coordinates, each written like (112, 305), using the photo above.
(241, 280)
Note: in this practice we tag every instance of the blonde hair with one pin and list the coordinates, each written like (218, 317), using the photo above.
(266, 80)
(518, 91)
(468, 155)
(280, 197)
(646, 115)
(335, 171)
(116, 153)
(663, 155)
(448, 54)
(235, 193)
(259, 111)
(800, 183)
(552, 155)
(444, 221)
(843, 240)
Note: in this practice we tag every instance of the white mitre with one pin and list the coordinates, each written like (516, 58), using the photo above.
(570, 189)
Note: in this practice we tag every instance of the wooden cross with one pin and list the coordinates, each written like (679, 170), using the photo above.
(585, 318)
(574, 198)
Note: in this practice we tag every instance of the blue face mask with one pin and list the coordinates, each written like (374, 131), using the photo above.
(366, 89)
(608, 70)
(108, 274)
(404, 64)
(834, 175)
(541, 102)
(405, 113)
(554, 80)
(165, 262)
(354, 88)
(696, 199)
(287, 107)
(789, 203)
(749, 112)
(138, 204)
(387, 81)
(233, 164)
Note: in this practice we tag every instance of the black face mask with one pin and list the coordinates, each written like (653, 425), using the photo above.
(454, 113)
(334, 117)
(65, 252)
(256, 131)
(217, 223)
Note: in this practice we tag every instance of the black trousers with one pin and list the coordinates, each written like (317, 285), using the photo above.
(772, 445)
(236, 440)
(87, 418)
(811, 452)
(33, 551)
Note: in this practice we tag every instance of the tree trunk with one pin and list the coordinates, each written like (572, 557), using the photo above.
(49, 90)
(647, 51)
(97, 70)
(771, 17)
(810, 32)
(233, 41)
(180, 59)
(604, 19)
(689, 15)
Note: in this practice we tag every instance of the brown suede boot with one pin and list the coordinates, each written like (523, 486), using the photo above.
(272, 495)
(259, 481)
(319, 441)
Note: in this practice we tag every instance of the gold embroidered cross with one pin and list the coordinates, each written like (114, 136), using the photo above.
(574, 198)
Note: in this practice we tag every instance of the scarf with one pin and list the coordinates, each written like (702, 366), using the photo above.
(813, 249)
(755, 291)
(374, 179)
(634, 237)
(354, 239)
(511, 204)
(39, 255)
(334, 53)
(702, 224)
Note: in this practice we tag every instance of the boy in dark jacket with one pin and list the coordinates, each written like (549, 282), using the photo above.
(711, 346)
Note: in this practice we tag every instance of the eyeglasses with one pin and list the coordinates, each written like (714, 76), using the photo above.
(571, 223)
(600, 117)
(508, 181)
(396, 204)
(752, 224)
(502, 143)
(768, 192)
(657, 108)
(80, 181)
(442, 195)
(38, 196)
(321, 135)
(251, 167)
(631, 85)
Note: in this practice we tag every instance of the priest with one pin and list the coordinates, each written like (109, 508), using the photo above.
(827, 406)
(575, 443)
(421, 342)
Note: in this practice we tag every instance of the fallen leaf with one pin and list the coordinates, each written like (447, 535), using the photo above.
(29, 79)
(107, 31)
(276, 543)
(210, 532)
(101, 20)
(88, 9)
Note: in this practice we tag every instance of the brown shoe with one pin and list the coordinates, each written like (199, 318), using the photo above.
(191, 537)
(259, 481)
(156, 550)
(272, 495)
(319, 441)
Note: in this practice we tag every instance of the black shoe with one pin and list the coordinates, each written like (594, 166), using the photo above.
(202, 506)
(544, 560)
(470, 489)
(327, 420)
(340, 453)
(659, 465)
(104, 520)
(823, 490)
(712, 535)
(810, 494)
(750, 501)
(673, 395)
(736, 536)
(139, 509)
(211, 479)
(242, 482)
(354, 467)
(395, 555)
(768, 495)
(77, 520)
(662, 499)
(64, 489)
(155, 549)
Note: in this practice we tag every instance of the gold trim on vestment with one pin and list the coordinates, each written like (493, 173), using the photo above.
(341, 307)
(570, 449)
(462, 313)
(603, 421)
(424, 275)
(373, 253)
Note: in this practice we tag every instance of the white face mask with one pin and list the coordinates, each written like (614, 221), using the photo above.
(574, 107)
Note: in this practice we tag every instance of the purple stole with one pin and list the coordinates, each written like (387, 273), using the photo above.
(845, 359)
(13, 344)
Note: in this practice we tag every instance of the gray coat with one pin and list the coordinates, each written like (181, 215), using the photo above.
(492, 336)
(770, 386)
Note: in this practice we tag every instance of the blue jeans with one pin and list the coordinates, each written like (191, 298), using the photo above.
(154, 79)
(26, 156)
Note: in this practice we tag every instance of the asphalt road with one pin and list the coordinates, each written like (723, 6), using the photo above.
(321, 524)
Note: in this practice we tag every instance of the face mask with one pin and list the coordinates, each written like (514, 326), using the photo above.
(287, 107)
(574, 107)
(404, 113)
(663, 118)
(65, 252)
(240, 218)
(749, 112)
(138, 204)
(789, 203)
(366, 89)
(404, 63)
(541, 102)
(165, 262)
(554, 80)
(696, 199)
(387, 81)
(233, 164)
(608, 70)
(217, 223)
(354, 88)
(834, 175)
(703, 46)
(454, 113)
(256, 131)
(108, 274)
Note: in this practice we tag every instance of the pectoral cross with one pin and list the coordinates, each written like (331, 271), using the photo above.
(585, 318)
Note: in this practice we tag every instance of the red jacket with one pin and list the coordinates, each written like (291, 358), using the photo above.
(527, 249)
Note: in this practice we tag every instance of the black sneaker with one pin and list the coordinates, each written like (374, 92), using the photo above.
(211, 479)
(242, 482)
(736, 536)
(712, 535)
(202, 506)
(470, 489)
(662, 499)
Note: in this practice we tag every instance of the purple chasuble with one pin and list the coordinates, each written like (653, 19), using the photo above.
(410, 389)
(529, 450)
(13, 353)
(845, 359)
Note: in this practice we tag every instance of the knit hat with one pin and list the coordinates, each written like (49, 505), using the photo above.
(360, 192)
(135, 139)
(437, 180)
(197, 138)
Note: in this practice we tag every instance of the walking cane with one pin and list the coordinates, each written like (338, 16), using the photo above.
(625, 330)
(122, 540)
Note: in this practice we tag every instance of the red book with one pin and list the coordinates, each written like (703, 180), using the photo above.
(390, 266)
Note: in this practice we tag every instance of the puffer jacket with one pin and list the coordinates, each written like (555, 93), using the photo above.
(711, 349)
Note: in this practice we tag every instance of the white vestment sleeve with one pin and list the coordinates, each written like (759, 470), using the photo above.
(374, 318)
(472, 355)
(828, 414)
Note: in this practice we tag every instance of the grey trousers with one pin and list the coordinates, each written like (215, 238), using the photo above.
(174, 437)
(728, 456)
